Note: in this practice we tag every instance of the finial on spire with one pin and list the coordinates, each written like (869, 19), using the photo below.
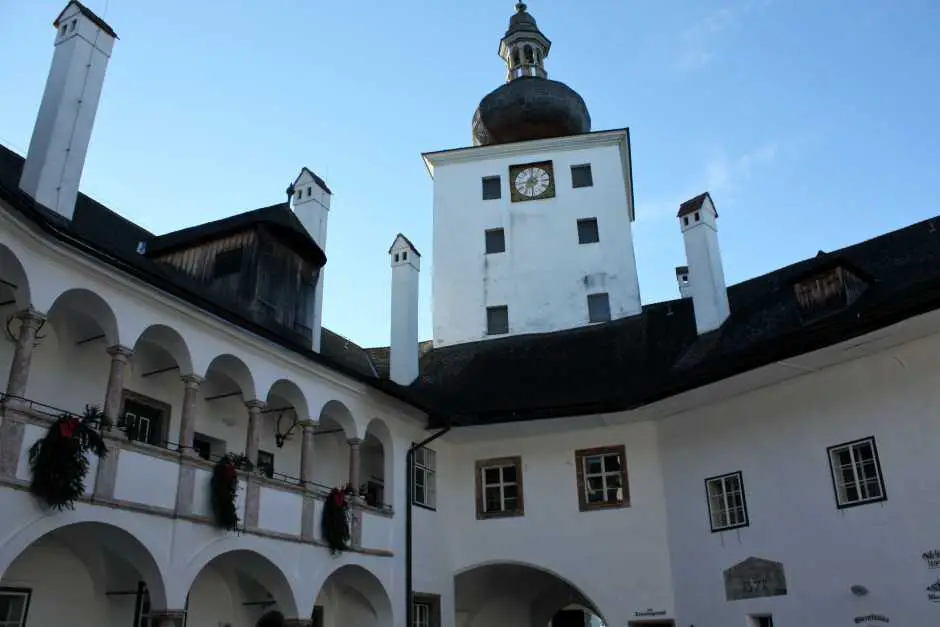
(521, 7)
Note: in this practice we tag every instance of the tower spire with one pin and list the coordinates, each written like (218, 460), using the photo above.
(524, 47)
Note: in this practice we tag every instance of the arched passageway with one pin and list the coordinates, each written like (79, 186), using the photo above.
(518, 595)
(352, 595)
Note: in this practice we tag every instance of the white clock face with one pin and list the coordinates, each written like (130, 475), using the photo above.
(532, 182)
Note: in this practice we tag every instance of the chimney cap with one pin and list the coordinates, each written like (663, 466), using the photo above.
(406, 241)
(695, 204)
(682, 270)
(91, 15)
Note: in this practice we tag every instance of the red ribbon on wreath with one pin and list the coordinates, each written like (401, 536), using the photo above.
(230, 472)
(68, 427)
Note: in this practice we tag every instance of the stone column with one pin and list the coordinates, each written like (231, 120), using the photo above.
(191, 383)
(30, 321)
(120, 359)
(354, 464)
(306, 454)
(167, 618)
(254, 430)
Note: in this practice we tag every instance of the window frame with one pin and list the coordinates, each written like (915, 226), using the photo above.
(597, 295)
(590, 175)
(432, 602)
(481, 466)
(499, 187)
(580, 456)
(430, 474)
(501, 232)
(27, 593)
(493, 309)
(708, 501)
(851, 445)
(596, 227)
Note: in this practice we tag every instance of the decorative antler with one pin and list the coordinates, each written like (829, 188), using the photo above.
(281, 437)
(13, 337)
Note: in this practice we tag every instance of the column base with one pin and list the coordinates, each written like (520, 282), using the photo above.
(167, 618)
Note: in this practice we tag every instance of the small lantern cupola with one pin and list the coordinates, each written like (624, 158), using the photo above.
(524, 47)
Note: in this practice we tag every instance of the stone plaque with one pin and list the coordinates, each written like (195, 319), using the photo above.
(754, 578)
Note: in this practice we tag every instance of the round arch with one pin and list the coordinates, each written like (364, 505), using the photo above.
(358, 596)
(291, 394)
(13, 279)
(548, 590)
(230, 555)
(84, 532)
(338, 413)
(235, 369)
(168, 340)
(378, 435)
(85, 313)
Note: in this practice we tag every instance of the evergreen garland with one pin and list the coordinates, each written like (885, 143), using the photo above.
(59, 461)
(334, 523)
(224, 490)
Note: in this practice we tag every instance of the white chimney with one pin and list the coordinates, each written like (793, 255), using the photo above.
(310, 199)
(682, 278)
(706, 279)
(406, 266)
(57, 150)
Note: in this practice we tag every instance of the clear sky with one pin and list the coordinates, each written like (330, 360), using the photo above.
(813, 123)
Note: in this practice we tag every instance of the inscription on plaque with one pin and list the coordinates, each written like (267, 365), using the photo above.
(754, 578)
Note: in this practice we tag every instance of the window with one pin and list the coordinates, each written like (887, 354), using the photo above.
(497, 320)
(492, 188)
(426, 610)
(587, 231)
(581, 176)
(495, 241)
(266, 464)
(856, 473)
(14, 605)
(726, 506)
(142, 606)
(145, 418)
(317, 616)
(598, 307)
(602, 478)
(499, 487)
(227, 262)
(764, 620)
(424, 479)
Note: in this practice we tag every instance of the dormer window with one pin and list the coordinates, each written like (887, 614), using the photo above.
(829, 288)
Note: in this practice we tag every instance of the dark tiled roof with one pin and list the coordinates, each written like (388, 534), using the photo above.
(91, 15)
(407, 241)
(316, 178)
(693, 204)
(277, 218)
(381, 356)
(97, 230)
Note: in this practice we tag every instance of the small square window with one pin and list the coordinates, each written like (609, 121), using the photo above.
(499, 488)
(602, 478)
(497, 320)
(581, 176)
(727, 508)
(495, 241)
(598, 307)
(492, 188)
(587, 231)
(856, 473)
(228, 262)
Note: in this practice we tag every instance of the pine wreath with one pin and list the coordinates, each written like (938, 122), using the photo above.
(334, 523)
(224, 490)
(59, 461)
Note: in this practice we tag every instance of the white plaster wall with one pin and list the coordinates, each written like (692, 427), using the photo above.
(777, 437)
(146, 479)
(281, 511)
(545, 275)
(584, 548)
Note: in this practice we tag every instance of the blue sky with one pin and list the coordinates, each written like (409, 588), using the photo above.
(813, 123)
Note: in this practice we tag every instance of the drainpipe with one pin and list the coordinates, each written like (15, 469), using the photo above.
(409, 507)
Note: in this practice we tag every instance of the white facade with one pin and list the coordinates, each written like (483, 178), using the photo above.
(545, 275)
(406, 266)
(705, 278)
(67, 113)
(311, 203)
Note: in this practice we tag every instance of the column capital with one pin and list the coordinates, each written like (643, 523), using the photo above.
(167, 618)
(307, 425)
(192, 380)
(298, 622)
(255, 404)
(30, 317)
(354, 442)
(120, 353)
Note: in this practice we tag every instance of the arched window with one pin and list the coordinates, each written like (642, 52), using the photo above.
(538, 56)
(515, 57)
(529, 57)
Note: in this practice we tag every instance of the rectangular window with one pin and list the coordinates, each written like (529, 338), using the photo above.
(587, 231)
(499, 487)
(317, 616)
(581, 176)
(602, 478)
(14, 606)
(265, 464)
(497, 320)
(598, 307)
(492, 188)
(227, 262)
(424, 479)
(422, 615)
(146, 419)
(764, 620)
(426, 610)
(495, 241)
(726, 506)
(856, 473)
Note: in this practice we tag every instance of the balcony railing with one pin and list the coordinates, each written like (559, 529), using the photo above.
(159, 479)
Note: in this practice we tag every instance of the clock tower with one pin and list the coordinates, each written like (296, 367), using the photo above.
(532, 223)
